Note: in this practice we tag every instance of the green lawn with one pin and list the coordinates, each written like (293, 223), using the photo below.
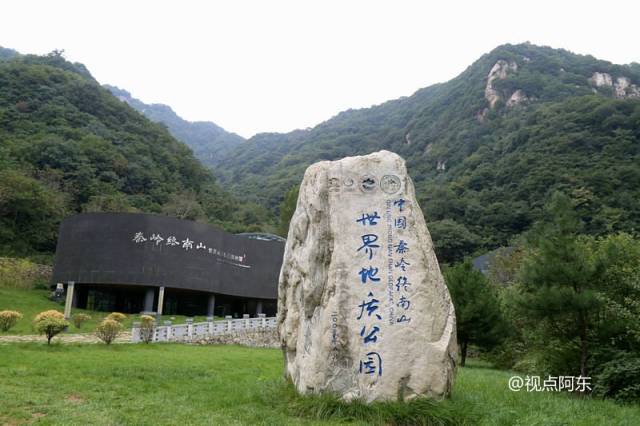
(31, 302)
(230, 385)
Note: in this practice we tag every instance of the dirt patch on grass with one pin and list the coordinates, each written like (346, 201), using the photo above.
(6, 421)
(123, 337)
(10, 421)
(76, 399)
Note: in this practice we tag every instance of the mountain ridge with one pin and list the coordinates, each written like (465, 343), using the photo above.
(451, 133)
(485, 149)
(207, 140)
(68, 146)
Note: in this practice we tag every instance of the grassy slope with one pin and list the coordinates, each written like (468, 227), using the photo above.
(227, 385)
(31, 302)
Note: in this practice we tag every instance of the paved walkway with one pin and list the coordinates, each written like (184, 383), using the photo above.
(124, 337)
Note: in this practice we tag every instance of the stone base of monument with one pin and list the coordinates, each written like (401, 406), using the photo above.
(363, 310)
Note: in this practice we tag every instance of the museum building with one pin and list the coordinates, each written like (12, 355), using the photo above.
(130, 262)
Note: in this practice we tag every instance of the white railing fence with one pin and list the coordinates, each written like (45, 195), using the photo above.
(201, 330)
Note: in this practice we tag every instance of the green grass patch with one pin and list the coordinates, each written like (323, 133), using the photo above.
(32, 302)
(331, 408)
(231, 385)
(28, 303)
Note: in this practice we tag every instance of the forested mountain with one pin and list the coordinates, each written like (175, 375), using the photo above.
(208, 141)
(7, 53)
(67, 145)
(486, 148)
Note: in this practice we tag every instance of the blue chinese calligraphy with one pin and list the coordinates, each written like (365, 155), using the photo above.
(368, 244)
(369, 219)
(400, 204)
(371, 306)
(402, 282)
(369, 274)
(401, 222)
(403, 318)
(397, 260)
(402, 264)
(371, 336)
(402, 247)
(372, 365)
(370, 309)
(404, 303)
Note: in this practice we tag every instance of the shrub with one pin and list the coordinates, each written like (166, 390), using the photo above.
(147, 328)
(48, 314)
(116, 316)
(620, 379)
(79, 319)
(8, 319)
(108, 330)
(22, 273)
(50, 323)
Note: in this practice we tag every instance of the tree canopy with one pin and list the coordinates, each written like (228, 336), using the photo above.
(69, 146)
(482, 174)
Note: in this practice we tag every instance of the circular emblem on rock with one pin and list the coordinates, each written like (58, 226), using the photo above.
(390, 184)
(348, 182)
(367, 183)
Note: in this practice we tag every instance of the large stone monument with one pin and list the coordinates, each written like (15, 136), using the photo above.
(363, 311)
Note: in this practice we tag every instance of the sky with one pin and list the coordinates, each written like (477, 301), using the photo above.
(276, 66)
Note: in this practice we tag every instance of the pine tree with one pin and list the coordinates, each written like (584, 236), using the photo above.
(561, 279)
(287, 208)
(478, 317)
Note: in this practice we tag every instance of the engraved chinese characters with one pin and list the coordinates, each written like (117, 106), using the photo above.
(187, 244)
(363, 310)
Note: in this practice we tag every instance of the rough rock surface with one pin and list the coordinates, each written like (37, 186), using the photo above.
(601, 79)
(261, 338)
(499, 71)
(363, 311)
(517, 98)
(622, 87)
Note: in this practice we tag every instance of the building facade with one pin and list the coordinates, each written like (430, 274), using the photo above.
(131, 262)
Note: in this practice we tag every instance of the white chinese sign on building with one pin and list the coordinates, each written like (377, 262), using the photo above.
(187, 244)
